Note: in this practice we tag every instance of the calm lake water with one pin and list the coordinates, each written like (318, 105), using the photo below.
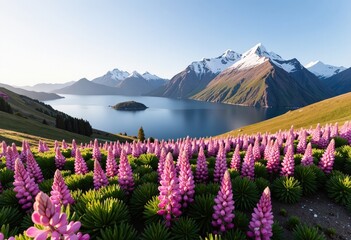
(165, 118)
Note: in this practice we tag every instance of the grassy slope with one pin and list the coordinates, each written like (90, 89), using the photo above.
(337, 109)
(14, 129)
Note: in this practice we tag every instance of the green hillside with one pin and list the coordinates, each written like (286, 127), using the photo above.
(26, 122)
(337, 109)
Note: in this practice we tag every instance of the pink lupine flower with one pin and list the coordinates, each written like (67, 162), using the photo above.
(267, 149)
(25, 186)
(273, 161)
(256, 151)
(80, 166)
(4, 148)
(334, 130)
(125, 174)
(236, 159)
(161, 162)
(248, 168)
(220, 164)
(25, 147)
(288, 164)
(100, 179)
(224, 206)
(10, 160)
(169, 197)
(307, 158)
(60, 160)
(53, 223)
(262, 218)
(15, 153)
(327, 161)
(96, 151)
(33, 168)
(186, 181)
(301, 146)
(324, 140)
(64, 144)
(60, 194)
(74, 148)
(316, 134)
(111, 164)
(41, 147)
(201, 174)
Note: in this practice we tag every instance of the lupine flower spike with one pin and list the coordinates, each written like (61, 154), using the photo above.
(100, 179)
(169, 197)
(25, 187)
(53, 223)
(60, 194)
(224, 206)
(111, 164)
(307, 158)
(327, 161)
(125, 174)
(262, 218)
(201, 174)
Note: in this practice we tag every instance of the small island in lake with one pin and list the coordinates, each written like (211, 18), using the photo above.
(130, 106)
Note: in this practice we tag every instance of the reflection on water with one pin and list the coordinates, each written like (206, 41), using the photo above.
(164, 118)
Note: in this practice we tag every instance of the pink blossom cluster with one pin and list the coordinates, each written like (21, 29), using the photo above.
(169, 197)
(236, 159)
(80, 166)
(327, 161)
(60, 160)
(288, 164)
(33, 168)
(201, 174)
(52, 222)
(220, 164)
(248, 167)
(125, 174)
(261, 223)
(99, 177)
(60, 194)
(96, 151)
(222, 218)
(307, 158)
(111, 164)
(186, 180)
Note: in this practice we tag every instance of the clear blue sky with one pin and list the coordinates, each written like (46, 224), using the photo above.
(64, 40)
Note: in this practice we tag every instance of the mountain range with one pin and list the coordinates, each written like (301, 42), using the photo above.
(255, 78)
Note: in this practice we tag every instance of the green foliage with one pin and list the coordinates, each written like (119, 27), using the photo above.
(245, 193)
(6, 177)
(149, 178)
(46, 162)
(26, 222)
(260, 171)
(297, 159)
(307, 178)
(211, 188)
(142, 170)
(287, 190)
(185, 228)
(10, 215)
(8, 231)
(283, 212)
(339, 188)
(261, 184)
(233, 173)
(112, 191)
(304, 232)
(102, 214)
(69, 165)
(141, 134)
(201, 211)
(339, 142)
(241, 221)
(330, 232)
(212, 236)
(277, 231)
(155, 231)
(46, 185)
(8, 199)
(339, 162)
(123, 231)
(150, 211)
(211, 162)
(65, 173)
(141, 195)
(234, 235)
(83, 182)
(321, 177)
(292, 222)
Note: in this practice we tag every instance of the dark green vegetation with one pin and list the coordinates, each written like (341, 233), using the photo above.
(337, 109)
(141, 134)
(129, 106)
(4, 106)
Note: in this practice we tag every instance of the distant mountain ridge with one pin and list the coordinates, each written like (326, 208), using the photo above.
(41, 96)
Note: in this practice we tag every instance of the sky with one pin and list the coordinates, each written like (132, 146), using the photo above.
(65, 40)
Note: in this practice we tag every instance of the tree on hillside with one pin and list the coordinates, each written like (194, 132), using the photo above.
(4, 106)
(141, 135)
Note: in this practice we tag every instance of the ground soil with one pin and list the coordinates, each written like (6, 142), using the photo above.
(317, 210)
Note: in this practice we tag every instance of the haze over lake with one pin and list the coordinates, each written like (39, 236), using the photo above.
(165, 118)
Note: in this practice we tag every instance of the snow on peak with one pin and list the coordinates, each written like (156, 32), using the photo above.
(135, 74)
(149, 76)
(215, 65)
(258, 54)
(322, 70)
(118, 74)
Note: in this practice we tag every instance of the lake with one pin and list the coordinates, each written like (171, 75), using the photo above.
(165, 118)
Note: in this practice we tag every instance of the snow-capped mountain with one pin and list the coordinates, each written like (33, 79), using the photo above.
(112, 78)
(197, 75)
(322, 70)
(262, 78)
(258, 55)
